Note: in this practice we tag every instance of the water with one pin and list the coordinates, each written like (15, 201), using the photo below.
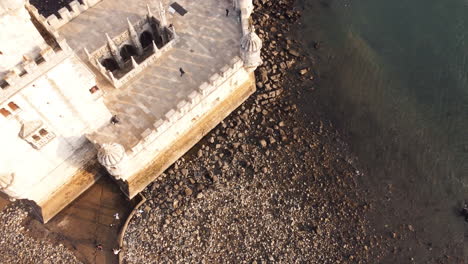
(394, 76)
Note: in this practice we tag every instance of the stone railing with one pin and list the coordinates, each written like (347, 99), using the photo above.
(66, 15)
(30, 69)
(186, 105)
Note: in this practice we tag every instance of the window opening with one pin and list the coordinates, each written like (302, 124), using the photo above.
(13, 106)
(43, 132)
(5, 112)
(93, 89)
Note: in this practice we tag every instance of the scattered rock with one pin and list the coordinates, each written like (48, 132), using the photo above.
(188, 191)
(294, 53)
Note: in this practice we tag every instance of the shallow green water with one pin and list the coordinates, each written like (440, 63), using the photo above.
(394, 76)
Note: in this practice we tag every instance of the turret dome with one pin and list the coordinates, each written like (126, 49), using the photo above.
(251, 42)
(110, 155)
(251, 46)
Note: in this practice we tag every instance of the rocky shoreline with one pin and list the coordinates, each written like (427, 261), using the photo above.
(265, 186)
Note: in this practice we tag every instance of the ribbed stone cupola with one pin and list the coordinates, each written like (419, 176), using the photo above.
(251, 46)
(112, 156)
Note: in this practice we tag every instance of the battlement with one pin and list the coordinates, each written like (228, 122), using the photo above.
(67, 14)
(32, 68)
(41, 20)
(186, 106)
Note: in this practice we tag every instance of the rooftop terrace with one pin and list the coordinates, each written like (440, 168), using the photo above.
(208, 40)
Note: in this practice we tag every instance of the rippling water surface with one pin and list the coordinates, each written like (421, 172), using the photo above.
(394, 76)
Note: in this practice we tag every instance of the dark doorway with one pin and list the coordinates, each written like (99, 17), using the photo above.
(110, 64)
(127, 51)
(146, 39)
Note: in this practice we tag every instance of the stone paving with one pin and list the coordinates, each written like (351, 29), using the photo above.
(208, 41)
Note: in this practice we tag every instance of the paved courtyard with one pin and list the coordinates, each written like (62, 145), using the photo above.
(208, 41)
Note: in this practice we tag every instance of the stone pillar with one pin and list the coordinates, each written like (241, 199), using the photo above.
(162, 14)
(134, 37)
(149, 13)
(112, 156)
(114, 51)
(173, 31)
(155, 48)
(101, 68)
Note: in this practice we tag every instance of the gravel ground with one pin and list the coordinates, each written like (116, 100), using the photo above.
(16, 246)
(265, 186)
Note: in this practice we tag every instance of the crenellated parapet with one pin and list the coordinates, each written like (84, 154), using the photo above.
(129, 53)
(66, 15)
(41, 20)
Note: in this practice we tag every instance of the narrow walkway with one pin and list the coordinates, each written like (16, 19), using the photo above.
(89, 221)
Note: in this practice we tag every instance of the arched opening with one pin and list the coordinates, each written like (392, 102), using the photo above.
(146, 39)
(110, 64)
(127, 51)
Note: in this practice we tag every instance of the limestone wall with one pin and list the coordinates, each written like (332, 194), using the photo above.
(180, 119)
